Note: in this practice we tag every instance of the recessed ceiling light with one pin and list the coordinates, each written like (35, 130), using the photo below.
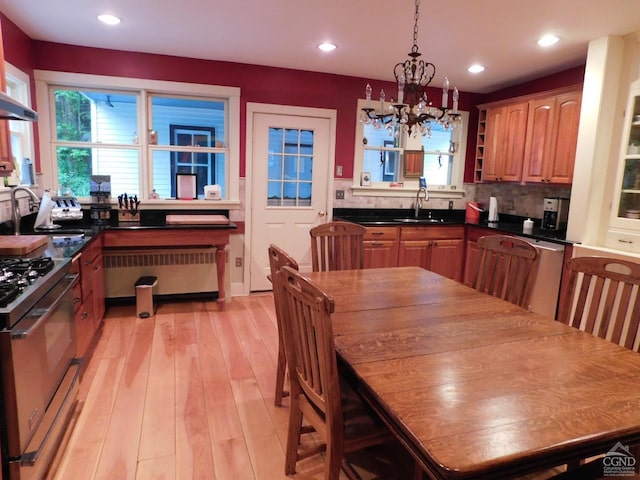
(327, 46)
(476, 68)
(109, 19)
(548, 40)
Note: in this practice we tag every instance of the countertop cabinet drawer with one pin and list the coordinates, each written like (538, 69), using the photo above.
(431, 233)
(381, 233)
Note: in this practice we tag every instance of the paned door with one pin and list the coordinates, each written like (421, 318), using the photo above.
(290, 168)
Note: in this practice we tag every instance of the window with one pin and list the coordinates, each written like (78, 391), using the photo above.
(380, 153)
(21, 133)
(290, 165)
(140, 133)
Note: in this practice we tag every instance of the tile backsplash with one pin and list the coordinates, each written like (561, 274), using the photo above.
(513, 199)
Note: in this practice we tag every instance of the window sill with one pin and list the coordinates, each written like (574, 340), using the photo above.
(386, 191)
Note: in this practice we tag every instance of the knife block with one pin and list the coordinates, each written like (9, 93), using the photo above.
(126, 216)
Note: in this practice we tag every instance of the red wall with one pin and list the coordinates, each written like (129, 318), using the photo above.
(257, 84)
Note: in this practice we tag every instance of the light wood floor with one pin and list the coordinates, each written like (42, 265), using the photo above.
(185, 394)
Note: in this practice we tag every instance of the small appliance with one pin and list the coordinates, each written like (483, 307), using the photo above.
(555, 213)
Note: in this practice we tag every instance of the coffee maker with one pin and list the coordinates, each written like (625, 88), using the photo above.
(555, 213)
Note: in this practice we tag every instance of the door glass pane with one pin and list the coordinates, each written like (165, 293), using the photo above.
(290, 167)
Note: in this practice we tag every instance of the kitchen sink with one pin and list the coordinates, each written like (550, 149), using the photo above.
(418, 220)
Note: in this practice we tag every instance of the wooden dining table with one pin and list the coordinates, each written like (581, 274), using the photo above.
(474, 386)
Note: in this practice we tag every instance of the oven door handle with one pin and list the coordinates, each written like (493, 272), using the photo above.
(40, 314)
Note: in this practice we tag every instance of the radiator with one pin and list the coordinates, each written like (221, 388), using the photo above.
(189, 270)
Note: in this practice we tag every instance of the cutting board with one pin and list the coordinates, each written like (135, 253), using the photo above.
(197, 220)
(20, 244)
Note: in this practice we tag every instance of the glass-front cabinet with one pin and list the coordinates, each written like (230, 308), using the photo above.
(624, 231)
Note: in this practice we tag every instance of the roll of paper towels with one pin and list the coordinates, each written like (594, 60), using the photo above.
(493, 209)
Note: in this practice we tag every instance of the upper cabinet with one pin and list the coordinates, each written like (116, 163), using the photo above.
(624, 231)
(531, 140)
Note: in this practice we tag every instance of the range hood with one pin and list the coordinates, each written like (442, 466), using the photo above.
(10, 109)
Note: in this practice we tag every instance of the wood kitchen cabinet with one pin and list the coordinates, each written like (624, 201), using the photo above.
(381, 247)
(472, 252)
(439, 249)
(530, 139)
(90, 303)
(505, 137)
(552, 137)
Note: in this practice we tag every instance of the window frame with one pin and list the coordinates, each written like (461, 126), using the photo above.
(409, 185)
(45, 79)
(19, 82)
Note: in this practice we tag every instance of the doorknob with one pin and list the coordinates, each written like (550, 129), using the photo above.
(322, 213)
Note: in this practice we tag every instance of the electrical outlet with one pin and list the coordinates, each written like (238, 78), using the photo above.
(339, 194)
(450, 204)
(238, 261)
(339, 171)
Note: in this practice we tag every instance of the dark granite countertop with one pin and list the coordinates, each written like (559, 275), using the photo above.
(510, 224)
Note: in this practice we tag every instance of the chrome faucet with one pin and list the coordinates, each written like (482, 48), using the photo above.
(15, 206)
(423, 188)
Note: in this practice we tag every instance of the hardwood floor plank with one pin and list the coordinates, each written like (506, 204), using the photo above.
(119, 456)
(158, 468)
(194, 456)
(157, 438)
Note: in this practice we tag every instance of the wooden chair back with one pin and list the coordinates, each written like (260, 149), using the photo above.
(337, 246)
(506, 268)
(278, 258)
(605, 299)
(313, 369)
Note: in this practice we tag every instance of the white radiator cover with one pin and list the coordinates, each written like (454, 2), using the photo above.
(189, 270)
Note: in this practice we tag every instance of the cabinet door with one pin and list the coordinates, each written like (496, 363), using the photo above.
(565, 130)
(446, 258)
(472, 258)
(97, 283)
(380, 254)
(493, 143)
(414, 253)
(515, 137)
(539, 141)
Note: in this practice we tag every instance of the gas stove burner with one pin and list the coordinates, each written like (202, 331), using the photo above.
(16, 274)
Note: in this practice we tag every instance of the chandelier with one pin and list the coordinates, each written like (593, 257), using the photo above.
(413, 112)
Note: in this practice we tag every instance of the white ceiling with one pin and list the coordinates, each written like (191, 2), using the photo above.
(372, 35)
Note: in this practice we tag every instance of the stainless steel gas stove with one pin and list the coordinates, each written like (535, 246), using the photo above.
(39, 373)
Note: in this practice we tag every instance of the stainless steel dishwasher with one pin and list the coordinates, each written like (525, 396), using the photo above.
(546, 288)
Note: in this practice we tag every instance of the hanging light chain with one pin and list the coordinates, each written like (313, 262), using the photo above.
(415, 28)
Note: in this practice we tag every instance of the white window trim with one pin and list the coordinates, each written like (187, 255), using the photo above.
(17, 76)
(45, 78)
(384, 189)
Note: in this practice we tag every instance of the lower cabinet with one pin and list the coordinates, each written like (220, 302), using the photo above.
(88, 295)
(473, 252)
(436, 248)
(439, 249)
(381, 247)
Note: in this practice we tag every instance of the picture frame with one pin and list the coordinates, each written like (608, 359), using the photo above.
(186, 186)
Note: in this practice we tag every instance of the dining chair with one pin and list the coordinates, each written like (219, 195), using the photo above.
(318, 396)
(605, 300)
(278, 258)
(337, 246)
(506, 268)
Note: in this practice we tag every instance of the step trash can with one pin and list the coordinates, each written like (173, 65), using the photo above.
(144, 296)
